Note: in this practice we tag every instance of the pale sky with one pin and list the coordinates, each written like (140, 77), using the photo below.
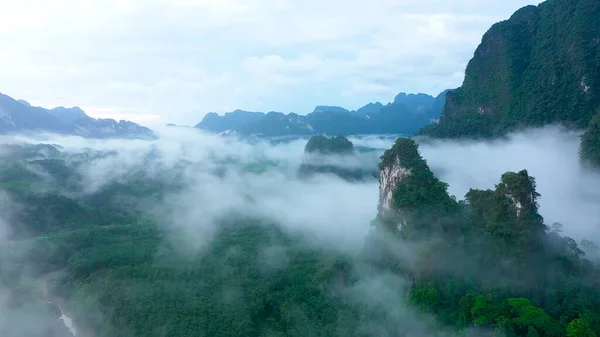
(172, 61)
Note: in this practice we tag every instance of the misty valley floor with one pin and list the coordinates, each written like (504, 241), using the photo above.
(199, 235)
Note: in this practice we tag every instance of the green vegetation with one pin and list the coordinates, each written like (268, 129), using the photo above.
(590, 142)
(539, 67)
(323, 145)
(420, 198)
(325, 148)
(487, 262)
(492, 263)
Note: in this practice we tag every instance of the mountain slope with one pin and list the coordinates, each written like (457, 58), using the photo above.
(590, 143)
(407, 114)
(19, 117)
(541, 66)
(16, 116)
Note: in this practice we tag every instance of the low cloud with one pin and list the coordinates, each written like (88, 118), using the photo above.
(219, 177)
(569, 191)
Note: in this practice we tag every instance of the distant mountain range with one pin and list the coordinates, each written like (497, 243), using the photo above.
(405, 115)
(18, 116)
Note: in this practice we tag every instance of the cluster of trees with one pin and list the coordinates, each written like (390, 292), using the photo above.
(320, 149)
(324, 145)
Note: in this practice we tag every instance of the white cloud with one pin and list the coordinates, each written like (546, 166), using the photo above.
(550, 155)
(182, 58)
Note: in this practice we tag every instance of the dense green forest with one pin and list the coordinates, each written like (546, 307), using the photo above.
(541, 66)
(590, 143)
(432, 266)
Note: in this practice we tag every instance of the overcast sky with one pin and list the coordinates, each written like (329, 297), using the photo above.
(160, 61)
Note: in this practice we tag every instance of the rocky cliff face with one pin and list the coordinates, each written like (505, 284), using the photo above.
(389, 178)
(397, 165)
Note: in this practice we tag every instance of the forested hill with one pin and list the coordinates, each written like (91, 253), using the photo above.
(539, 67)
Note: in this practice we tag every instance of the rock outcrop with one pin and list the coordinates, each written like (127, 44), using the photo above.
(389, 178)
(412, 201)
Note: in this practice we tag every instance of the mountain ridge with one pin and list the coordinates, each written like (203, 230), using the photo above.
(18, 116)
(406, 114)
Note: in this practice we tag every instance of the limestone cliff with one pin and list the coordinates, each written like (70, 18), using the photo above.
(411, 198)
(389, 178)
(395, 167)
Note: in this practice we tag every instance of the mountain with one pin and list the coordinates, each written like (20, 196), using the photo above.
(325, 108)
(109, 128)
(539, 67)
(69, 115)
(406, 114)
(18, 116)
(230, 121)
(368, 109)
(415, 102)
